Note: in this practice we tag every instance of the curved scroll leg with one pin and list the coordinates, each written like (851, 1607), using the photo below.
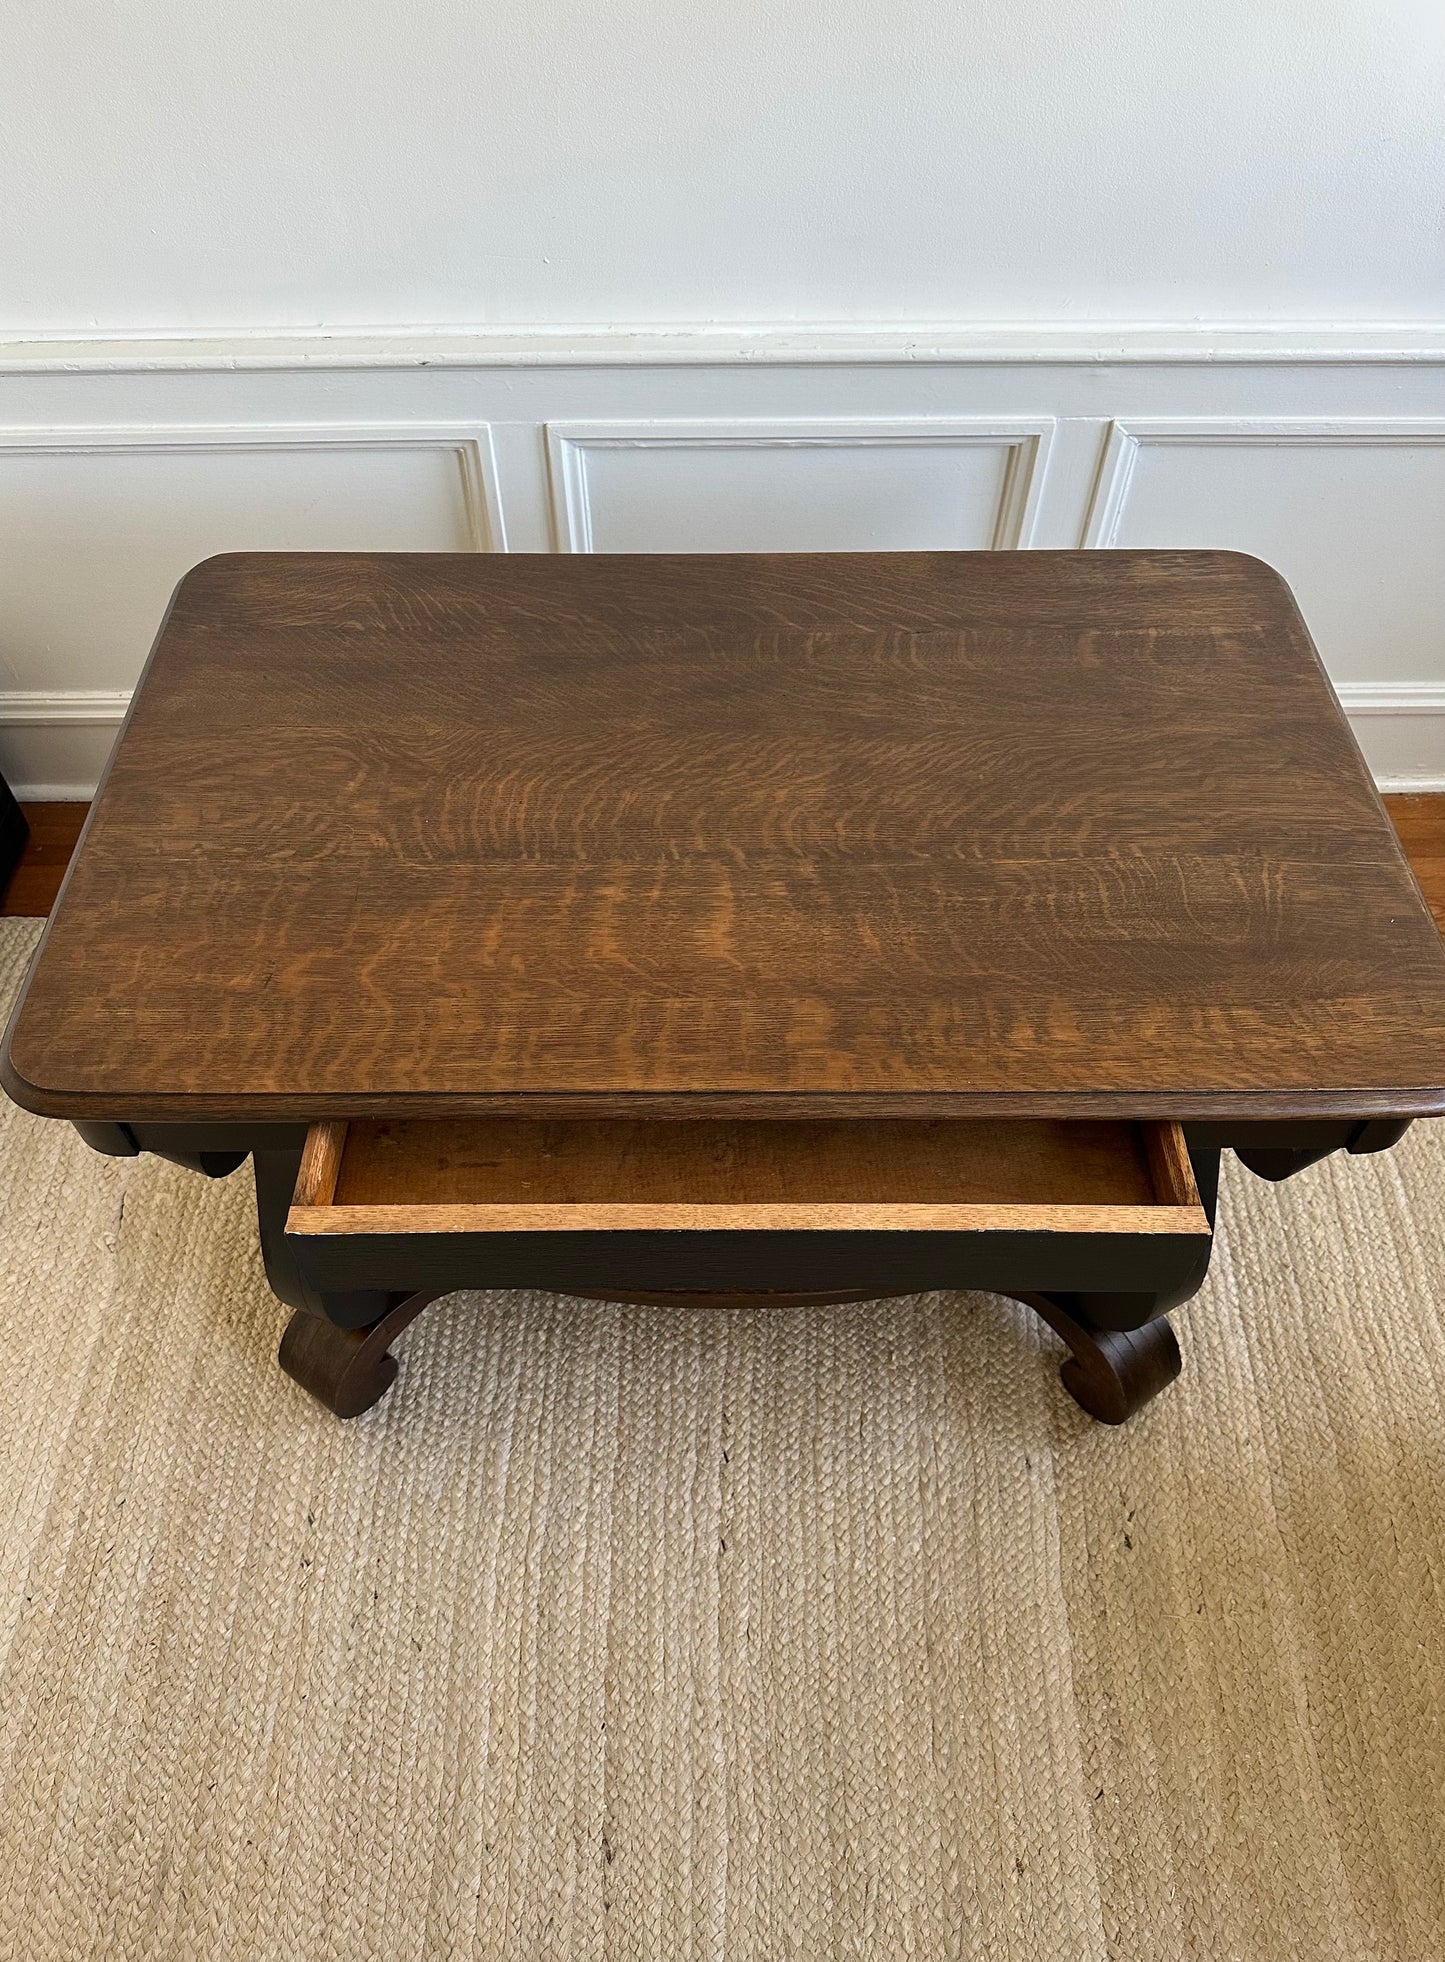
(1111, 1373)
(347, 1369)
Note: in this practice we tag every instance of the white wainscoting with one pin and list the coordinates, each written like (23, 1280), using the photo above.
(871, 484)
(1350, 509)
(97, 526)
(121, 464)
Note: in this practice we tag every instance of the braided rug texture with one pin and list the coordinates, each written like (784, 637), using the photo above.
(646, 1633)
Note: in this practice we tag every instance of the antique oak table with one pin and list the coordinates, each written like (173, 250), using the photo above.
(771, 929)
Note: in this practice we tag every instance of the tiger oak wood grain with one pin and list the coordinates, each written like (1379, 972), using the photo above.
(1033, 834)
(1417, 816)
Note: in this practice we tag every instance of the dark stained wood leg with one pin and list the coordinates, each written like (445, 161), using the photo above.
(1110, 1373)
(347, 1369)
(334, 1346)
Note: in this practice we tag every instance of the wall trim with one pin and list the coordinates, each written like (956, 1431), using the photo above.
(1392, 698)
(93, 708)
(470, 442)
(1401, 728)
(1026, 438)
(704, 344)
(73, 710)
(1125, 437)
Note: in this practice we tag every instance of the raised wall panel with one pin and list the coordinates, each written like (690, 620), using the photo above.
(814, 486)
(1351, 511)
(97, 527)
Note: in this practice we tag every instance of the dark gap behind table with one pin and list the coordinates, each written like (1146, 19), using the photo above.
(14, 832)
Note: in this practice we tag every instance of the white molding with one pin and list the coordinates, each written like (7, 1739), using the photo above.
(1026, 438)
(1392, 698)
(709, 344)
(92, 708)
(470, 443)
(1127, 436)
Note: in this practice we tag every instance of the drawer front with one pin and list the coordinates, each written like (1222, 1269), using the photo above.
(891, 1205)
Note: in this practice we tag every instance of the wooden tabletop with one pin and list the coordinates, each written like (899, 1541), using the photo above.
(1034, 833)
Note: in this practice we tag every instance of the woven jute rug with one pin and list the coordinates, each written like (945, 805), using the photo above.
(648, 1633)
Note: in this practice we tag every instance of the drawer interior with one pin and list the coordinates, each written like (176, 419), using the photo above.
(521, 1175)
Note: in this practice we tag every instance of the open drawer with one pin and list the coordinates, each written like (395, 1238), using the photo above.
(676, 1205)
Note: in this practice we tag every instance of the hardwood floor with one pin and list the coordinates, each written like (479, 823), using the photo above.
(1420, 822)
(54, 829)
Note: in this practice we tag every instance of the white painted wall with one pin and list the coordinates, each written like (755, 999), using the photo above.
(538, 275)
(177, 164)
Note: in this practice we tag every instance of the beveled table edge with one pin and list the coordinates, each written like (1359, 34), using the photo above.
(1182, 1105)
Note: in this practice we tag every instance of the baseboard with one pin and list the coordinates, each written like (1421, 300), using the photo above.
(61, 740)
(1401, 729)
(53, 793)
(92, 708)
